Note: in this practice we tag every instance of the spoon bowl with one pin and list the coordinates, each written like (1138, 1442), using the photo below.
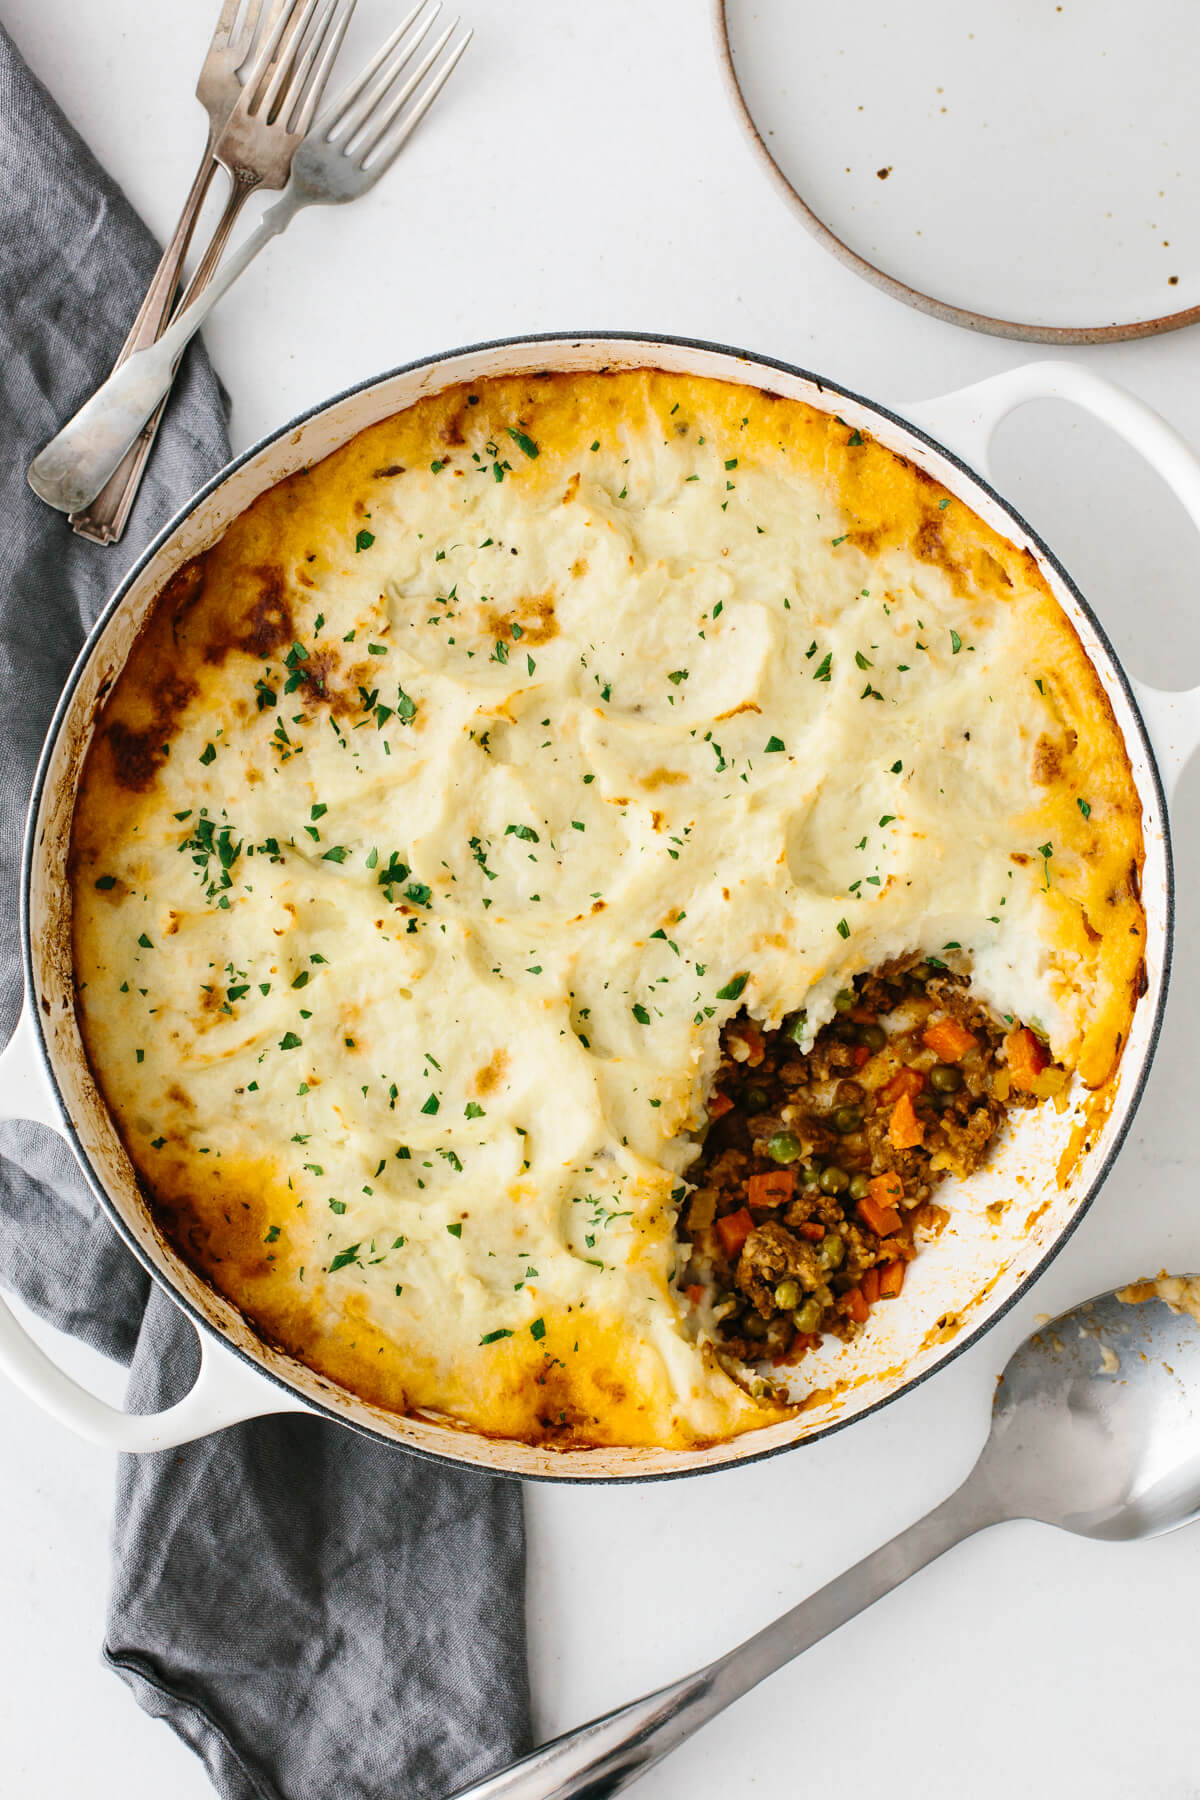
(1096, 1419)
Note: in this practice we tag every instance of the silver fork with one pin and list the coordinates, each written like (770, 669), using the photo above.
(349, 148)
(281, 50)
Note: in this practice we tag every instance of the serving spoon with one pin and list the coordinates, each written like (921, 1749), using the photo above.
(1095, 1428)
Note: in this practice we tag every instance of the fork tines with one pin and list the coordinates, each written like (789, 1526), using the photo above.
(365, 119)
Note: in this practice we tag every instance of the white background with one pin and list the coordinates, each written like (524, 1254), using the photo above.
(585, 169)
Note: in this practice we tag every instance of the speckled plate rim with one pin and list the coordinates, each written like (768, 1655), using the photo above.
(891, 284)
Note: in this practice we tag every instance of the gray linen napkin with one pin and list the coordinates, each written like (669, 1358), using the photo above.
(320, 1617)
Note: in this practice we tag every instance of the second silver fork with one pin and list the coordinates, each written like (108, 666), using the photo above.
(284, 51)
(349, 148)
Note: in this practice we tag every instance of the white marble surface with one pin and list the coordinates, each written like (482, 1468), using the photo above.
(585, 170)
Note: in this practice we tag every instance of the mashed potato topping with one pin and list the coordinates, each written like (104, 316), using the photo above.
(452, 803)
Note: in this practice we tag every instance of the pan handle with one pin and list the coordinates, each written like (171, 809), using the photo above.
(965, 423)
(226, 1391)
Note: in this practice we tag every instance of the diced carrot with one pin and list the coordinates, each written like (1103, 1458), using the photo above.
(773, 1189)
(882, 1220)
(752, 1038)
(905, 1130)
(870, 1286)
(860, 1054)
(856, 1306)
(862, 1015)
(948, 1039)
(695, 1293)
(886, 1189)
(719, 1105)
(733, 1230)
(813, 1231)
(904, 1081)
(804, 1341)
(1027, 1057)
(891, 1280)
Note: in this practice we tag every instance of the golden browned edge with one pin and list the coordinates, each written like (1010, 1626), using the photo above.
(239, 601)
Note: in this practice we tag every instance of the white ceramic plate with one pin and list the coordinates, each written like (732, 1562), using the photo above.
(1023, 167)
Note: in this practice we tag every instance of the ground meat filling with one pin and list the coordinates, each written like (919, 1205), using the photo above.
(814, 1187)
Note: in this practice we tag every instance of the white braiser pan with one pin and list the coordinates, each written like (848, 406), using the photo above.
(960, 1284)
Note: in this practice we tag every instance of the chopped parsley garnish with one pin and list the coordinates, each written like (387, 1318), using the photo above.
(432, 1105)
(364, 540)
(208, 754)
(289, 1041)
(640, 1014)
(493, 1337)
(733, 988)
(843, 928)
(823, 672)
(522, 831)
(1083, 806)
(338, 854)
(955, 643)
(530, 448)
(104, 882)
(1046, 851)
(455, 1230)
(345, 1257)
(773, 744)
(537, 1330)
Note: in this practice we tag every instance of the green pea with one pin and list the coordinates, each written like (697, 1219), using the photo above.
(752, 1326)
(787, 1295)
(795, 1027)
(847, 1119)
(843, 1000)
(873, 1036)
(944, 1078)
(920, 971)
(860, 1186)
(832, 1251)
(783, 1147)
(808, 1317)
(833, 1180)
(810, 1175)
(756, 1099)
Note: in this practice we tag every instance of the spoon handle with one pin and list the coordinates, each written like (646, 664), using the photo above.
(605, 1756)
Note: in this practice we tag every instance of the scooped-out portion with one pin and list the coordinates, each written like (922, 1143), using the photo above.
(814, 1188)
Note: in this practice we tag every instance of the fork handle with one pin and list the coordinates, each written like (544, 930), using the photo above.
(105, 519)
(100, 521)
(75, 465)
(605, 1756)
